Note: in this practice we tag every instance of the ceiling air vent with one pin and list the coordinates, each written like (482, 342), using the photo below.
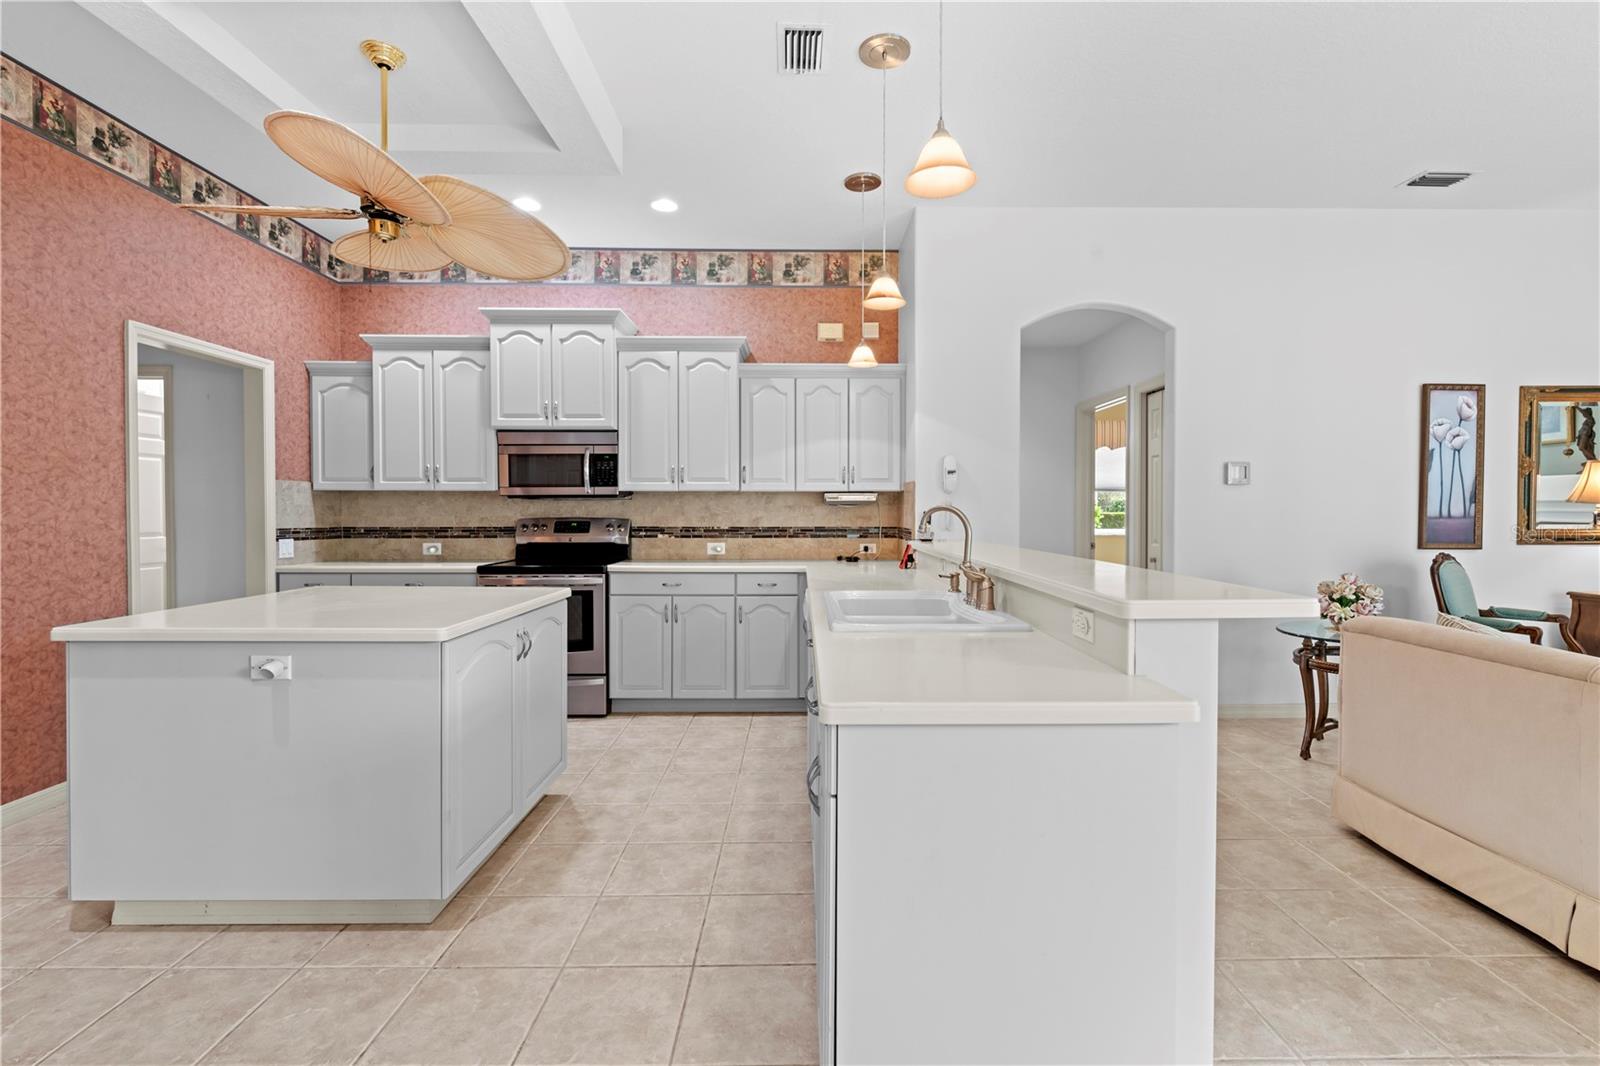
(799, 48)
(1438, 179)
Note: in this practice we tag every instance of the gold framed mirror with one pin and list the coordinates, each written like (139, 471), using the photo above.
(1558, 477)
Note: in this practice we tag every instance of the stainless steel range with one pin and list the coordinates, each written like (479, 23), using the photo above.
(573, 552)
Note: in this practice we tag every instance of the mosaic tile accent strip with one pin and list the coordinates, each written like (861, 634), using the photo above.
(34, 102)
(639, 532)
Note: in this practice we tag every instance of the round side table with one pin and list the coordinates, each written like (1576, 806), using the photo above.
(1315, 659)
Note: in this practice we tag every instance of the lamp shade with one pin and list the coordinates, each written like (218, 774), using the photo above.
(862, 356)
(1587, 490)
(942, 169)
(884, 295)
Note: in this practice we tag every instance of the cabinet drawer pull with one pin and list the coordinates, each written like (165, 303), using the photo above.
(812, 773)
(672, 584)
(766, 584)
(413, 584)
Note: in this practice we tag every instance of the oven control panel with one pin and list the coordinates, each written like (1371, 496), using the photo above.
(573, 530)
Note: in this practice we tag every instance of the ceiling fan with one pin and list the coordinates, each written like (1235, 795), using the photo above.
(413, 224)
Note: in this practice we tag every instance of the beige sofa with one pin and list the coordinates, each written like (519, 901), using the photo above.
(1477, 759)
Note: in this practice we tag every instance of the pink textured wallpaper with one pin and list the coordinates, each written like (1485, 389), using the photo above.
(85, 251)
(780, 322)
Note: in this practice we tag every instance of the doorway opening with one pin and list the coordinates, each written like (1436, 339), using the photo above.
(1096, 412)
(201, 480)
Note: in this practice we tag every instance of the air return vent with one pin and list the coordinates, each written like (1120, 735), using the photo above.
(799, 48)
(1438, 179)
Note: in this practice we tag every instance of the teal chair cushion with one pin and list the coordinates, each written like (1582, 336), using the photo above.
(1518, 612)
(1457, 590)
(1505, 625)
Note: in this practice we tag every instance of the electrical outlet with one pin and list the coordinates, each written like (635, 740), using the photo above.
(285, 548)
(869, 549)
(432, 547)
(1083, 624)
(717, 547)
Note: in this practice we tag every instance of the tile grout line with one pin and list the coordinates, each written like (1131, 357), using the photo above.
(391, 1015)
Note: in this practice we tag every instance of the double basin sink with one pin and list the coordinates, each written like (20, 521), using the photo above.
(913, 612)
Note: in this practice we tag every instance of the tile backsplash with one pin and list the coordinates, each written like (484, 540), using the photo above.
(477, 526)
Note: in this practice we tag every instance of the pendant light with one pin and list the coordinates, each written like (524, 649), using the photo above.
(863, 182)
(884, 295)
(942, 168)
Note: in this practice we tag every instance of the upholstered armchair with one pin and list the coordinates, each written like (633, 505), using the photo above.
(1453, 589)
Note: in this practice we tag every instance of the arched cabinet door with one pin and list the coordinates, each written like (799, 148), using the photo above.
(464, 444)
(875, 434)
(708, 422)
(520, 376)
(648, 413)
(768, 643)
(479, 754)
(583, 378)
(766, 434)
(640, 636)
(541, 703)
(822, 455)
(702, 647)
(341, 426)
(402, 420)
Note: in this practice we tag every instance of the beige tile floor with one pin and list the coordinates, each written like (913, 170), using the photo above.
(655, 908)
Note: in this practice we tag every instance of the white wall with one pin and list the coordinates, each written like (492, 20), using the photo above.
(1300, 341)
(207, 415)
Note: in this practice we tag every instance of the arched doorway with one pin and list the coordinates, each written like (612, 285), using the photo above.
(1097, 411)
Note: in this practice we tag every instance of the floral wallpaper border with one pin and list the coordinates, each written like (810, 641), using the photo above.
(35, 103)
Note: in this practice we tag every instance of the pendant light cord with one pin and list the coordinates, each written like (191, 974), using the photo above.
(861, 272)
(884, 147)
(941, 62)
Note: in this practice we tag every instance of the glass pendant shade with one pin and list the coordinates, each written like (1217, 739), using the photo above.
(942, 169)
(884, 295)
(862, 356)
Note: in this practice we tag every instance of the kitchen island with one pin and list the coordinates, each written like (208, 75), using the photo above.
(320, 755)
(1014, 834)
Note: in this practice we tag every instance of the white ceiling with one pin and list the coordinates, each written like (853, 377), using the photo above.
(598, 108)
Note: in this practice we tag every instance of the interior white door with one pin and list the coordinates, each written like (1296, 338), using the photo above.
(479, 749)
(402, 420)
(702, 647)
(822, 450)
(465, 457)
(767, 644)
(519, 360)
(708, 422)
(875, 434)
(647, 415)
(583, 378)
(153, 589)
(542, 703)
(766, 434)
(1155, 504)
(341, 431)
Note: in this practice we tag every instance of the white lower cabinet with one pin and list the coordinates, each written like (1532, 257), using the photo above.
(505, 714)
(819, 771)
(687, 636)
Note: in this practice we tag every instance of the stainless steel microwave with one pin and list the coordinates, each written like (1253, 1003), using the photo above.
(554, 463)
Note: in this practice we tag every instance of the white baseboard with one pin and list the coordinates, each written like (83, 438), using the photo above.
(34, 803)
(1261, 710)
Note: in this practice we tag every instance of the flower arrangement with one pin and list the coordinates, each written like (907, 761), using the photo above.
(1348, 597)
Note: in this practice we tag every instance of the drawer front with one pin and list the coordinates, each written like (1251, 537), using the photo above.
(681, 584)
(768, 584)
(415, 579)
(310, 581)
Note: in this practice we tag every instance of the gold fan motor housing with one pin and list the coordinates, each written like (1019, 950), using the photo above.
(383, 54)
(383, 229)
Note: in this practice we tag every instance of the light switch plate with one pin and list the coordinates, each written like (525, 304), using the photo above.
(432, 547)
(1235, 473)
(1083, 624)
(717, 547)
(830, 331)
(285, 548)
(869, 331)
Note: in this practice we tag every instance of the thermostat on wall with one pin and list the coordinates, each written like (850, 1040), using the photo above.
(1236, 473)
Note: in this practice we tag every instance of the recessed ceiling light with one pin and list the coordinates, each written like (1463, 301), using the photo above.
(664, 205)
(527, 203)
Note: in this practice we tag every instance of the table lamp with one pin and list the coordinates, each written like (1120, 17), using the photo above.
(1587, 489)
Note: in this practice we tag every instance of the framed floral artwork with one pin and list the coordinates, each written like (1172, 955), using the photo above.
(1450, 512)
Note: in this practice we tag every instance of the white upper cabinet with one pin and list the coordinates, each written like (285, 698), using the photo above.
(402, 419)
(708, 422)
(678, 413)
(555, 368)
(583, 378)
(647, 439)
(520, 386)
(875, 434)
(341, 424)
(430, 414)
(822, 453)
(766, 434)
(464, 451)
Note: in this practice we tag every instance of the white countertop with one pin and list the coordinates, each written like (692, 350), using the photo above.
(948, 678)
(326, 614)
(1125, 591)
(419, 567)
